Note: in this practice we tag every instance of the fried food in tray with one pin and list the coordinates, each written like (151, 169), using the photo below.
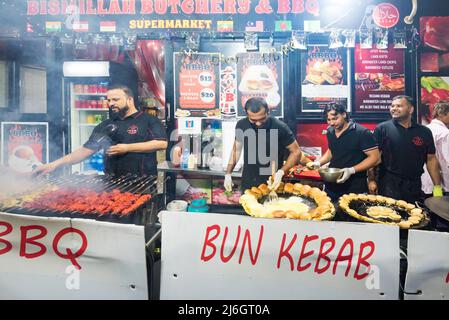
(384, 210)
(296, 201)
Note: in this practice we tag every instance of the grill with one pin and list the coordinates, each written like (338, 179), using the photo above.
(123, 199)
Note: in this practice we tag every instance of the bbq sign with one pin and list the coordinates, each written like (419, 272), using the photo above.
(126, 15)
(71, 259)
(248, 258)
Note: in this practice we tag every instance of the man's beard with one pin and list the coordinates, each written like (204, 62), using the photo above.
(119, 114)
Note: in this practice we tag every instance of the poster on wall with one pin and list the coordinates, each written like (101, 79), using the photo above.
(434, 56)
(260, 75)
(433, 90)
(324, 78)
(196, 83)
(379, 76)
(24, 145)
(313, 136)
(228, 91)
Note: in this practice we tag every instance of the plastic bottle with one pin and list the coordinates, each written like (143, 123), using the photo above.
(192, 161)
(185, 159)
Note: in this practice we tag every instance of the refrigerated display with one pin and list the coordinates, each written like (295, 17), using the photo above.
(87, 109)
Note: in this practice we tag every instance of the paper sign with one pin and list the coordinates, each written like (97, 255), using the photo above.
(24, 145)
(428, 266)
(240, 257)
(62, 258)
(189, 125)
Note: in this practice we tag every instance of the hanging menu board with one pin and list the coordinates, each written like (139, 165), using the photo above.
(260, 75)
(379, 76)
(324, 78)
(197, 89)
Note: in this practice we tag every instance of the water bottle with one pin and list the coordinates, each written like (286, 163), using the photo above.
(185, 159)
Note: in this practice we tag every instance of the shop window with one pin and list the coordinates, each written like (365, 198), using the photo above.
(4, 84)
(33, 90)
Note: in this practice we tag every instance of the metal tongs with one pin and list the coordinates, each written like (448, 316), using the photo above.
(272, 196)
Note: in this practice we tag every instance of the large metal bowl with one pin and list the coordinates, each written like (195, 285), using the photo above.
(330, 174)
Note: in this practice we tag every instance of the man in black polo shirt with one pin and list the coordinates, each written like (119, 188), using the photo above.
(352, 147)
(130, 147)
(405, 146)
(263, 139)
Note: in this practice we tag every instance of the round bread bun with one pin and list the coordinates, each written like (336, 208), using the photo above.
(290, 214)
(305, 216)
(401, 203)
(305, 190)
(278, 214)
(363, 197)
(416, 212)
(288, 187)
(405, 224)
(280, 189)
(264, 189)
(257, 192)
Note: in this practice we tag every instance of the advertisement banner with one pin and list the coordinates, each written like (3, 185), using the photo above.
(379, 76)
(325, 78)
(24, 145)
(159, 16)
(260, 75)
(428, 266)
(241, 257)
(62, 258)
(197, 89)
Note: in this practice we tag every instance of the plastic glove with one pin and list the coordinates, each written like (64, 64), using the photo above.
(313, 165)
(437, 191)
(277, 179)
(347, 172)
(228, 182)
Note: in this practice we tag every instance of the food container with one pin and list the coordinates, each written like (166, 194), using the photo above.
(177, 205)
(330, 174)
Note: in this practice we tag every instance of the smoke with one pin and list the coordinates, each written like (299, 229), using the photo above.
(13, 183)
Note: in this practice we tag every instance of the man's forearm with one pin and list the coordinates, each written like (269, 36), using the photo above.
(148, 146)
(235, 156)
(373, 174)
(75, 157)
(434, 171)
(292, 160)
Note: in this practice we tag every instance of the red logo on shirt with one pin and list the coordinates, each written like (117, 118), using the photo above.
(418, 141)
(132, 129)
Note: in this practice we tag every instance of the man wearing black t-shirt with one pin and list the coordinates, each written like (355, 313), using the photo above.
(352, 148)
(264, 139)
(129, 147)
(405, 146)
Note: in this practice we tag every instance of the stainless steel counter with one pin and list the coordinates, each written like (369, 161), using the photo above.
(168, 167)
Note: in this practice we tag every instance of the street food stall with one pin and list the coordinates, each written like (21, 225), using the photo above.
(179, 234)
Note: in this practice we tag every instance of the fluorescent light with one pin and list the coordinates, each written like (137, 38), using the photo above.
(86, 69)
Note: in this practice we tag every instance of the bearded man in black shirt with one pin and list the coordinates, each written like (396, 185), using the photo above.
(129, 148)
(405, 147)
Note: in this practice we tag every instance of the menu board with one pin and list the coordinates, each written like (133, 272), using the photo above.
(324, 78)
(24, 145)
(379, 76)
(260, 75)
(196, 85)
